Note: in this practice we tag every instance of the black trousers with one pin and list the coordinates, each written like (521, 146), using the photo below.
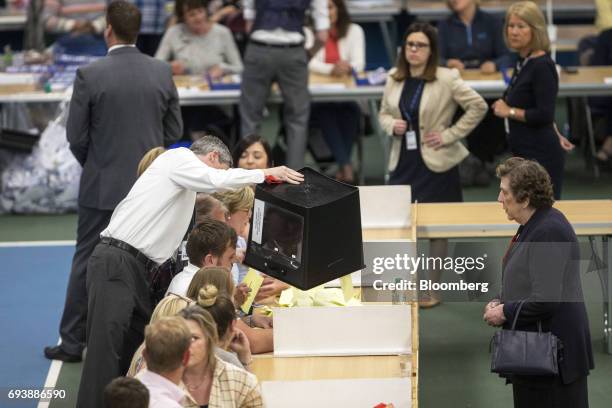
(91, 222)
(119, 309)
(550, 394)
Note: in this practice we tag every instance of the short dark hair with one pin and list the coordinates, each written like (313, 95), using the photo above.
(180, 6)
(126, 392)
(528, 180)
(403, 68)
(125, 20)
(247, 142)
(209, 237)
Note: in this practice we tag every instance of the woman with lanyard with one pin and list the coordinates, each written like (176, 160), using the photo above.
(528, 104)
(419, 102)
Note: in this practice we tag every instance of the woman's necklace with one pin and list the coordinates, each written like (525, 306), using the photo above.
(195, 387)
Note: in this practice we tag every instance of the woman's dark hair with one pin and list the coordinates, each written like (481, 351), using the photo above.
(247, 142)
(528, 180)
(344, 19)
(181, 6)
(403, 67)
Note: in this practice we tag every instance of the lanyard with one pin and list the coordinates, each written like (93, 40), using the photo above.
(517, 71)
(413, 102)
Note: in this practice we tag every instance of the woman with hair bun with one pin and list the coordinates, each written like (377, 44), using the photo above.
(260, 339)
(233, 344)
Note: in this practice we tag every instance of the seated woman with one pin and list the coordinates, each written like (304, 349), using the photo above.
(167, 307)
(260, 340)
(252, 152)
(170, 306)
(198, 46)
(233, 344)
(472, 38)
(239, 204)
(209, 380)
(343, 52)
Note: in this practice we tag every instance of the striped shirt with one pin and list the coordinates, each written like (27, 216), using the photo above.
(60, 16)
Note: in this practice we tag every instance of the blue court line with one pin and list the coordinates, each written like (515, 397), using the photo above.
(32, 289)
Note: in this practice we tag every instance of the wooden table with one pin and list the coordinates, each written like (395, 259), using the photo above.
(460, 220)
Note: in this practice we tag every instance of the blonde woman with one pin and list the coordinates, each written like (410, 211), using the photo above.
(149, 158)
(167, 307)
(210, 381)
(239, 204)
(257, 328)
(528, 104)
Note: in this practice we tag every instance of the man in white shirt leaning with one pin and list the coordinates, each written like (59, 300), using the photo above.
(166, 353)
(144, 230)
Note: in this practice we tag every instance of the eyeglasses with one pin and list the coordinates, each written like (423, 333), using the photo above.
(416, 45)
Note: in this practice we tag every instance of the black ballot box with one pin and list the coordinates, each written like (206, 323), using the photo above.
(306, 234)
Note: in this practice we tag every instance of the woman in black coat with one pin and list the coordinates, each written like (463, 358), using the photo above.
(541, 268)
(528, 105)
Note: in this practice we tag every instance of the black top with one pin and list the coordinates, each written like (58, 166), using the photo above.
(543, 268)
(476, 43)
(534, 88)
(426, 185)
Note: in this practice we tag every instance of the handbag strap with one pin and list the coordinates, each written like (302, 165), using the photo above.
(516, 315)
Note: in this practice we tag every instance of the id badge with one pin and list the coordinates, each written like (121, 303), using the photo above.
(411, 140)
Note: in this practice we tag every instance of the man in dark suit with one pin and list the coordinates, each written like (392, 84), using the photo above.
(122, 106)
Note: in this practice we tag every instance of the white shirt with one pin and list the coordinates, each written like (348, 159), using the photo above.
(351, 48)
(155, 214)
(180, 283)
(239, 270)
(114, 47)
(163, 393)
(319, 13)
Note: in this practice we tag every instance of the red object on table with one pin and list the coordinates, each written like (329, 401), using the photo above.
(273, 180)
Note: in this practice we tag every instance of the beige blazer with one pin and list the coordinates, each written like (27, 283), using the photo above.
(439, 102)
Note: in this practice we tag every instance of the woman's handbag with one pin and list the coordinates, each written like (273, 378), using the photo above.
(525, 353)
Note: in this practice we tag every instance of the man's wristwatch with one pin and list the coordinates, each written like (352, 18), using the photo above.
(512, 113)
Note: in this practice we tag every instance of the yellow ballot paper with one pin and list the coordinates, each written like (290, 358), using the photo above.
(346, 283)
(254, 281)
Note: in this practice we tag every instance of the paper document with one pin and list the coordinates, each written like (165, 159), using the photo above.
(253, 280)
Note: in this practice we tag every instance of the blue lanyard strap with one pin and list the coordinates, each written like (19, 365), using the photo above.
(413, 102)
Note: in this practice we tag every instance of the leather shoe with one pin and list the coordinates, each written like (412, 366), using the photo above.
(57, 353)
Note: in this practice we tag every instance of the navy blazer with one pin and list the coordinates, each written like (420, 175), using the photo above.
(474, 44)
(542, 268)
